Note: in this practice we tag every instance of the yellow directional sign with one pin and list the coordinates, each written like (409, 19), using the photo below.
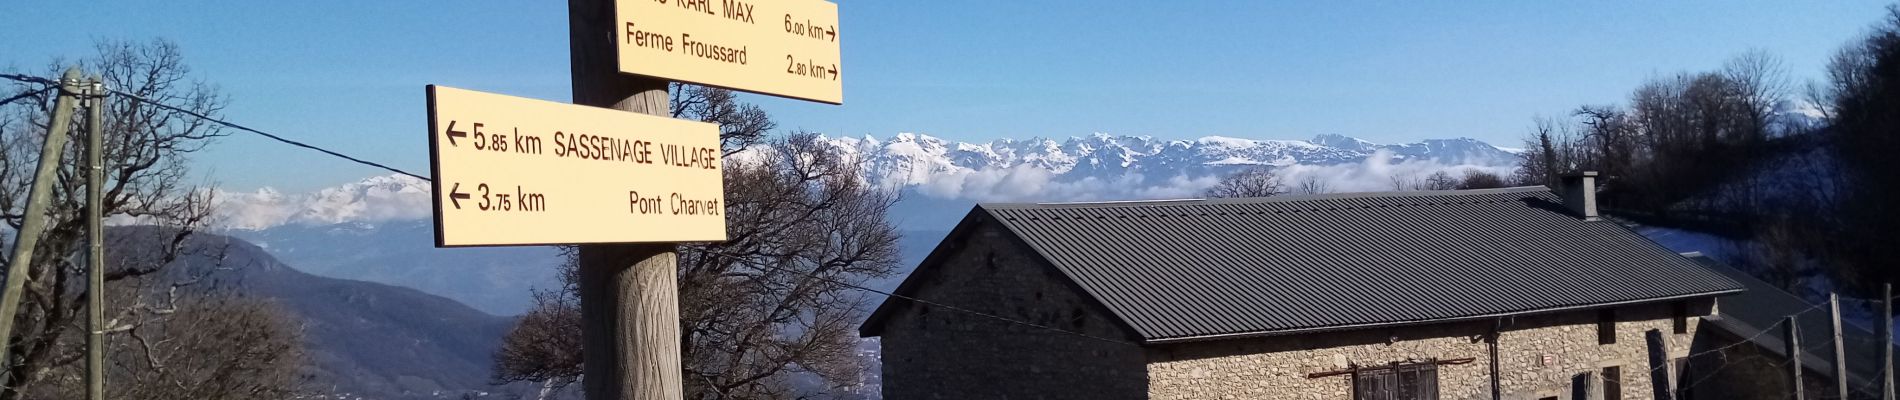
(515, 171)
(778, 47)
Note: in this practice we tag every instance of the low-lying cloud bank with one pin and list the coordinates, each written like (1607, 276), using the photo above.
(1029, 184)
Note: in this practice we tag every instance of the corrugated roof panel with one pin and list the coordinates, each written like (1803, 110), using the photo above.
(1182, 269)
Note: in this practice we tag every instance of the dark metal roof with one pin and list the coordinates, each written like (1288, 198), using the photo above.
(1200, 269)
(1755, 314)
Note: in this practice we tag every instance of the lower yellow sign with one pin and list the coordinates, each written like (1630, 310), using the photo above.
(515, 171)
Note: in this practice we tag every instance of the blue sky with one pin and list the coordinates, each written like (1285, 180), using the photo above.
(349, 74)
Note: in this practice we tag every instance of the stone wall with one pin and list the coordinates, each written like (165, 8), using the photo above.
(1569, 341)
(1539, 357)
(933, 353)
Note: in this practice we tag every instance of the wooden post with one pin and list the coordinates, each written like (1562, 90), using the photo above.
(629, 298)
(1886, 342)
(95, 242)
(1791, 337)
(1659, 382)
(38, 198)
(1840, 351)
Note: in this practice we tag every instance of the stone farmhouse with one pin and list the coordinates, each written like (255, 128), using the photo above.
(1516, 293)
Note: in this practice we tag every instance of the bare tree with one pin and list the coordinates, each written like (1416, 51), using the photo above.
(1539, 163)
(771, 304)
(1440, 180)
(146, 150)
(1250, 182)
(776, 298)
(741, 124)
(1406, 181)
(1312, 184)
(1865, 89)
(1479, 179)
(545, 345)
(196, 345)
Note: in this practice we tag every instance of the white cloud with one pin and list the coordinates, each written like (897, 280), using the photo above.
(1377, 172)
(1030, 184)
(376, 199)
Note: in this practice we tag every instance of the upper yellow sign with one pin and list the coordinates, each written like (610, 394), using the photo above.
(778, 47)
(515, 171)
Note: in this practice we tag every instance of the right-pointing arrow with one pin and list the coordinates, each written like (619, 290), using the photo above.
(455, 133)
(456, 196)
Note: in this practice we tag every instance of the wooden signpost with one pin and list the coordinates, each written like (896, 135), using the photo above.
(611, 172)
(515, 171)
(778, 47)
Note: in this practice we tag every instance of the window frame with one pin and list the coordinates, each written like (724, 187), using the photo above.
(1613, 382)
(1390, 382)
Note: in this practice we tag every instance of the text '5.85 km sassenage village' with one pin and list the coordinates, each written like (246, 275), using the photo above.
(518, 171)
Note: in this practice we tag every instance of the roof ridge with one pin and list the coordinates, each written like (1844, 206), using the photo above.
(1418, 194)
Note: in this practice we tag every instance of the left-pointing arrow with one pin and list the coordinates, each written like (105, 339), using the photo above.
(456, 196)
(456, 134)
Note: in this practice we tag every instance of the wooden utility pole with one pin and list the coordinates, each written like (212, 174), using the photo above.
(1791, 337)
(37, 200)
(629, 297)
(1886, 342)
(95, 241)
(1840, 351)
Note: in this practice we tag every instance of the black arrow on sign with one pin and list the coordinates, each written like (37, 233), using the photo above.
(455, 194)
(834, 72)
(833, 33)
(455, 134)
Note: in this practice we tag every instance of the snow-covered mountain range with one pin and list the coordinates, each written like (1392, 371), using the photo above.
(1104, 167)
(912, 159)
(1094, 167)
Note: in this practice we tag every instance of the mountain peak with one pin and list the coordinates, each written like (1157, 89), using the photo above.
(1341, 141)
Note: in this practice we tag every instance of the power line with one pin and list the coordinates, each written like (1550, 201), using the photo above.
(134, 97)
(30, 79)
(23, 95)
(272, 137)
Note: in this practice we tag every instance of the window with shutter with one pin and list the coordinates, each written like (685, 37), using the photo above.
(1612, 383)
(1399, 382)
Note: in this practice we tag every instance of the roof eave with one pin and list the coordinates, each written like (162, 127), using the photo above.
(1286, 332)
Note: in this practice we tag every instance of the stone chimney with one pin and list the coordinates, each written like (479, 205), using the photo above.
(1580, 194)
